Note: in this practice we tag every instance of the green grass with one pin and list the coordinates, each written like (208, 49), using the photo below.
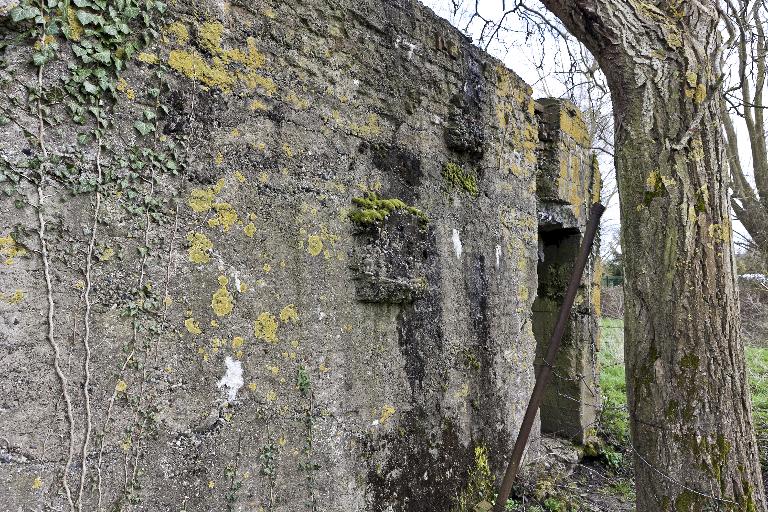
(614, 421)
(614, 418)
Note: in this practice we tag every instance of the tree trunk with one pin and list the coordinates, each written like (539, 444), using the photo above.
(689, 403)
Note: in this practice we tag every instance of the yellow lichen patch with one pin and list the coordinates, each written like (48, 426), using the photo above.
(237, 342)
(719, 233)
(12, 298)
(287, 150)
(221, 302)
(296, 101)
(267, 267)
(107, 254)
(216, 344)
(209, 36)
(193, 326)
(572, 123)
(274, 370)
(289, 314)
(199, 247)
(256, 81)
(463, 392)
(269, 13)
(219, 159)
(226, 67)
(74, 26)
(366, 130)
(121, 386)
(697, 149)
(240, 177)
(258, 105)
(123, 87)
(249, 229)
(271, 396)
(193, 66)
(37, 483)
(226, 216)
(700, 94)
(201, 199)
(252, 386)
(691, 79)
(265, 327)
(9, 249)
(148, 58)
(252, 59)
(179, 31)
(386, 412)
(653, 180)
(314, 245)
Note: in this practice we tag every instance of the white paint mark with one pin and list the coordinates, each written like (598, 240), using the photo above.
(233, 378)
(406, 44)
(498, 256)
(457, 248)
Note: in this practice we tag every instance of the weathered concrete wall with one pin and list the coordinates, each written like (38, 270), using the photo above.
(568, 183)
(253, 338)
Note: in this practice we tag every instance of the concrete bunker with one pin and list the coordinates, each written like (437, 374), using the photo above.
(355, 232)
(567, 180)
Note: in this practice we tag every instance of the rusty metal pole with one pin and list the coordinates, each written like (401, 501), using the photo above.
(545, 374)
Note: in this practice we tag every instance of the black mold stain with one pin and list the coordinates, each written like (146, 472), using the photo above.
(402, 165)
(486, 404)
(427, 466)
(477, 290)
(465, 130)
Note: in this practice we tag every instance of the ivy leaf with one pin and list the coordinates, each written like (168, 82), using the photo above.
(90, 88)
(88, 18)
(102, 56)
(39, 58)
(24, 13)
(79, 50)
(143, 128)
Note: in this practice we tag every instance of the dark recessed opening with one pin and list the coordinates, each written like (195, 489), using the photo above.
(558, 247)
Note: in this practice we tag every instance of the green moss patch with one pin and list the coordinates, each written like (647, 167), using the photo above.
(372, 209)
(457, 178)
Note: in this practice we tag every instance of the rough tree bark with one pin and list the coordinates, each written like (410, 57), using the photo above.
(689, 403)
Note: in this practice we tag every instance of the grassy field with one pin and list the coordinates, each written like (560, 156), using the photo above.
(615, 421)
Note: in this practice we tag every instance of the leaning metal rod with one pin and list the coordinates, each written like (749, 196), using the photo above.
(554, 345)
